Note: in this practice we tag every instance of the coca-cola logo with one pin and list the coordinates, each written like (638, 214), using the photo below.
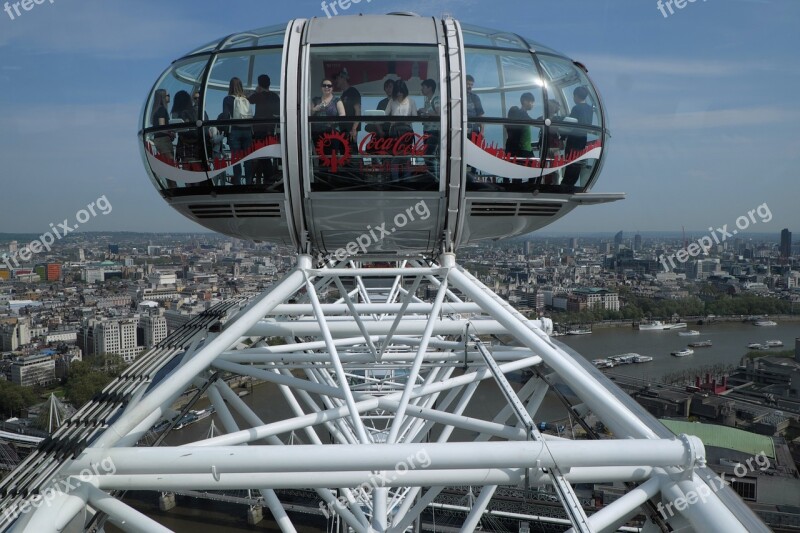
(410, 144)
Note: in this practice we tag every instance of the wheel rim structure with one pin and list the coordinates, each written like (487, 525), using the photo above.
(385, 373)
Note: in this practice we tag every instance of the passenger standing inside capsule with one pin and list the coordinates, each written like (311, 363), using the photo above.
(188, 150)
(401, 106)
(378, 128)
(432, 108)
(196, 100)
(351, 99)
(328, 106)
(388, 88)
(518, 137)
(268, 107)
(474, 108)
(160, 117)
(240, 138)
(583, 113)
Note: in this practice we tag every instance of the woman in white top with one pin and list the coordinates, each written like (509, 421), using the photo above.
(401, 106)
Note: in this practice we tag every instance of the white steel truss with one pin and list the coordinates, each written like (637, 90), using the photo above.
(362, 358)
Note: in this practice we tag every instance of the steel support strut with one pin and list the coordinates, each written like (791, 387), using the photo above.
(370, 365)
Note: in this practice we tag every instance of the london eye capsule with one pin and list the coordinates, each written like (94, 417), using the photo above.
(394, 135)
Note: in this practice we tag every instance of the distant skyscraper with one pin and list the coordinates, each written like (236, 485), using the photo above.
(573, 243)
(637, 242)
(53, 272)
(81, 255)
(113, 249)
(618, 239)
(786, 243)
(115, 337)
(154, 329)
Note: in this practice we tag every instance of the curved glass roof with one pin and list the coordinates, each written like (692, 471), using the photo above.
(480, 36)
(265, 36)
(473, 36)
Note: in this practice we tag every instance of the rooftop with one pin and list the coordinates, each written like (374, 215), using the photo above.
(724, 437)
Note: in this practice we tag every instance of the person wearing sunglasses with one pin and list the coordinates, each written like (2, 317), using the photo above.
(328, 106)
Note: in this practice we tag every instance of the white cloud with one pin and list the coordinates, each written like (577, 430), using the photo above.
(107, 30)
(608, 64)
(702, 120)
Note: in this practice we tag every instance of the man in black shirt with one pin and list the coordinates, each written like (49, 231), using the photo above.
(474, 107)
(351, 99)
(268, 107)
(583, 113)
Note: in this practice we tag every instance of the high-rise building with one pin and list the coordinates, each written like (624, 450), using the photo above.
(110, 337)
(154, 329)
(14, 333)
(703, 268)
(618, 239)
(573, 243)
(13, 247)
(53, 272)
(637, 242)
(786, 243)
(33, 370)
(529, 247)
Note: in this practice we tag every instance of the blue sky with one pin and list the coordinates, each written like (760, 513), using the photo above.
(703, 104)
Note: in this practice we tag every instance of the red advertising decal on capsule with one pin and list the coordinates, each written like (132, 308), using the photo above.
(327, 147)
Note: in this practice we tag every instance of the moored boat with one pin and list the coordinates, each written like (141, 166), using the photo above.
(765, 323)
(579, 332)
(700, 344)
(657, 325)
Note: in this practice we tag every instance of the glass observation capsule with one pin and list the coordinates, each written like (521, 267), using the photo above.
(417, 134)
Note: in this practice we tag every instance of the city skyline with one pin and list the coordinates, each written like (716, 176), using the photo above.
(701, 133)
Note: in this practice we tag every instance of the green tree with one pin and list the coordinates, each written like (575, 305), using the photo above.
(83, 382)
(14, 398)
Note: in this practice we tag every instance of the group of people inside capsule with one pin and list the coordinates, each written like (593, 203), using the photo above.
(186, 147)
(238, 105)
(397, 103)
(519, 142)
